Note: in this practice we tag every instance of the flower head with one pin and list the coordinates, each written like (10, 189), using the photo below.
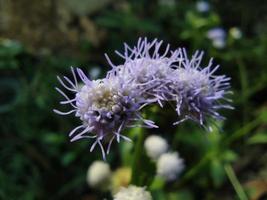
(169, 166)
(219, 43)
(198, 93)
(104, 106)
(217, 36)
(98, 175)
(147, 69)
(107, 106)
(133, 193)
(174, 77)
(216, 33)
(155, 146)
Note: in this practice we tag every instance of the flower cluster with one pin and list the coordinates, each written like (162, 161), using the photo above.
(133, 193)
(107, 106)
(218, 37)
(168, 164)
(101, 177)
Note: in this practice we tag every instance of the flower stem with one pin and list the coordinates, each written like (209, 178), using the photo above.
(194, 170)
(244, 87)
(234, 181)
(137, 159)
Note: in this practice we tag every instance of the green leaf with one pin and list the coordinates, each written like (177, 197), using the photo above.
(180, 195)
(54, 138)
(68, 158)
(10, 94)
(263, 115)
(259, 138)
(217, 172)
(158, 195)
(126, 153)
(157, 183)
(229, 156)
(10, 48)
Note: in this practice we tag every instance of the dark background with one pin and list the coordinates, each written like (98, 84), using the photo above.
(42, 39)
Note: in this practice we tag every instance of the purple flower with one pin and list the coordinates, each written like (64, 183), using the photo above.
(147, 69)
(173, 77)
(202, 6)
(216, 33)
(198, 92)
(107, 106)
(217, 36)
(104, 106)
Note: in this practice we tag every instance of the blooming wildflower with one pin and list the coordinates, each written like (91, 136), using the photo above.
(235, 33)
(105, 107)
(173, 77)
(198, 93)
(169, 166)
(147, 69)
(98, 175)
(133, 193)
(219, 43)
(155, 146)
(202, 6)
(217, 36)
(216, 33)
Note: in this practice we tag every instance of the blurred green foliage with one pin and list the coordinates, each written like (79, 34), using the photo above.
(38, 161)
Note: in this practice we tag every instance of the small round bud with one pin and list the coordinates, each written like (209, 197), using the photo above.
(235, 33)
(98, 175)
(169, 166)
(155, 146)
(133, 193)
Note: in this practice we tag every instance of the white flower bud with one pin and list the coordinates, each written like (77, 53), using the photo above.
(155, 146)
(169, 166)
(132, 193)
(219, 43)
(98, 175)
(235, 33)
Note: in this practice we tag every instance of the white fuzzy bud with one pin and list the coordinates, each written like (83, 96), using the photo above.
(169, 166)
(235, 33)
(219, 43)
(132, 193)
(155, 146)
(98, 175)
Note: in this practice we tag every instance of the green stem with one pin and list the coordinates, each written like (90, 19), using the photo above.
(246, 129)
(136, 163)
(234, 181)
(244, 87)
(194, 170)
